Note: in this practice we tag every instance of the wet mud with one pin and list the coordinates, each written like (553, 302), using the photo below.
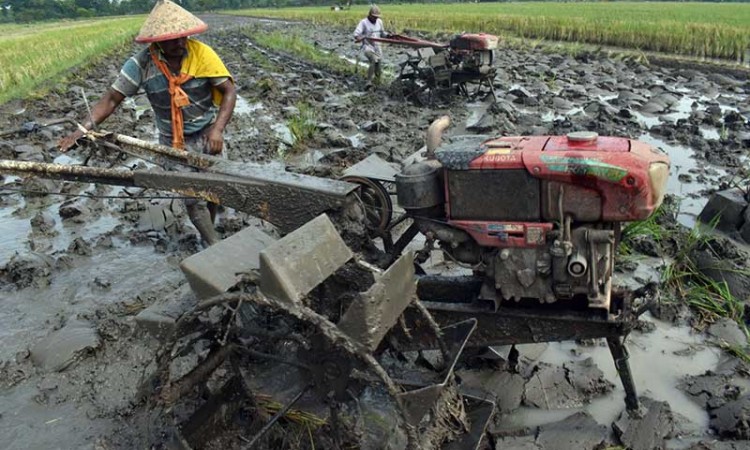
(80, 262)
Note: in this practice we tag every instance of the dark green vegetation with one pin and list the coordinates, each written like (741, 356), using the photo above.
(23, 11)
(34, 10)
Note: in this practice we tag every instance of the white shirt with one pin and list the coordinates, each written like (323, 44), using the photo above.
(367, 29)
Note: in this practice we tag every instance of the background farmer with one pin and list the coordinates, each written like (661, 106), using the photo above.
(369, 27)
(185, 81)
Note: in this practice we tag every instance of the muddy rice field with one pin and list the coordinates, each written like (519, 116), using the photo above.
(79, 262)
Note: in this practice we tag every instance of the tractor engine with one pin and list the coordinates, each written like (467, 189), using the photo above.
(535, 217)
(473, 52)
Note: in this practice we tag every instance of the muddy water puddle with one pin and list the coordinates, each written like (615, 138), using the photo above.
(115, 275)
(309, 157)
(244, 107)
(710, 133)
(659, 361)
(551, 116)
(66, 159)
(28, 424)
(682, 110)
(355, 62)
(16, 236)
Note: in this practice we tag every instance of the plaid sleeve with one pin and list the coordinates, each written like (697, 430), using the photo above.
(130, 78)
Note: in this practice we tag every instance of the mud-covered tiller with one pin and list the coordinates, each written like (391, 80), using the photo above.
(531, 222)
(464, 65)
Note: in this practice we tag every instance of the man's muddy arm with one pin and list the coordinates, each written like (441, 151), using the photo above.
(215, 135)
(99, 113)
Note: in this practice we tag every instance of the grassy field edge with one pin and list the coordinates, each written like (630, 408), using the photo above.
(29, 61)
(638, 26)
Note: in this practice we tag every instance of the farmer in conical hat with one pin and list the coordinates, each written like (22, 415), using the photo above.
(189, 88)
(371, 27)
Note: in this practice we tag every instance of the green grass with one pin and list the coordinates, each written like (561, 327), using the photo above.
(717, 30)
(32, 55)
(253, 56)
(710, 298)
(738, 351)
(303, 126)
(295, 45)
(648, 228)
(714, 299)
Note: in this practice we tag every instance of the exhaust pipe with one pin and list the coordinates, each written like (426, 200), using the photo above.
(435, 135)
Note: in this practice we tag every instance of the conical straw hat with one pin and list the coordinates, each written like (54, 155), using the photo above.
(169, 21)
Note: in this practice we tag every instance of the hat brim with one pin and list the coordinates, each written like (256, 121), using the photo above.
(166, 37)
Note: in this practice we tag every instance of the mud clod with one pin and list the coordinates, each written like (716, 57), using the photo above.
(65, 346)
(732, 420)
(728, 332)
(568, 386)
(29, 153)
(721, 262)
(549, 388)
(517, 443)
(721, 445)
(74, 210)
(648, 428)
(726, 209)
(712, 390)
(28, 270)
(588, 379)
(80, 247)
(43, 223)
(576, 432)
(505, 388)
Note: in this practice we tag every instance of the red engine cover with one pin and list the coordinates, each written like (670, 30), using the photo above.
(616, 168)
(480, 41)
